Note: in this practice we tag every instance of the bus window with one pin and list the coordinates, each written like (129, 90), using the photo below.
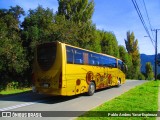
(105, 61)
(91, 60)
(69, 55)
(112, 62)
(122, 66)
(85, 58)
(78, 56)
(101, 60)
(109, 62)
(94, 59)
(46, 55)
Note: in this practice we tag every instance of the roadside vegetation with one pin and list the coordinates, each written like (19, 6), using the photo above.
(14, 88)
(14, 91)
(140, 98)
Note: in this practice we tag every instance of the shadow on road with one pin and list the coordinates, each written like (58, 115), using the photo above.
(40, 98)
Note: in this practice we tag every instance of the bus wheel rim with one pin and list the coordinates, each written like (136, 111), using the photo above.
(92, 88)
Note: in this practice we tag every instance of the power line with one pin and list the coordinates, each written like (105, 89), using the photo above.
(142, 20)
(147, 31)
(148, 18)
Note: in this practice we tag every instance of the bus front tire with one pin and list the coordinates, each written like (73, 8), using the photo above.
(91, 89)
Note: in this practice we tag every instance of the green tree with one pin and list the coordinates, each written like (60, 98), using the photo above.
(36, 29)
(133, 50)
(149, 71)
(123, 53)
(76, 10)
(17, 12)
(12, 54)
(127, 59)
(109, 44)
(37, 26)
(81, 35)
(78, 13)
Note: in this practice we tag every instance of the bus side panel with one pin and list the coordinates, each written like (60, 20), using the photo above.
(78, 82)
(79, 76)
(99, 76)
(112, 76)
(75, 77)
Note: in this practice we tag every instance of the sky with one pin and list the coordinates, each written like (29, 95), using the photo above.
(116, 16)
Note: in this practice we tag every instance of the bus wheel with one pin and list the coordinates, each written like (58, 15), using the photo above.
(91, 89)
(119, 83)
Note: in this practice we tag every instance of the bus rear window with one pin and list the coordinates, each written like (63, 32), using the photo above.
(46, 55)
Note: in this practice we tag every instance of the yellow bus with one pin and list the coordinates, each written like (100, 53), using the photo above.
(62, 69)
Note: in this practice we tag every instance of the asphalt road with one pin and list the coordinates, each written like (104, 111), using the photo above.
(36, 102)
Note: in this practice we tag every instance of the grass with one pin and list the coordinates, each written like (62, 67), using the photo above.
(14, 91)
(140, 98)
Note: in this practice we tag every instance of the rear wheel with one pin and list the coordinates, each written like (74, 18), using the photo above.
(91, 89)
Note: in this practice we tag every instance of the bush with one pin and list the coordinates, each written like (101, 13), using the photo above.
(141, 76)
(12, 85)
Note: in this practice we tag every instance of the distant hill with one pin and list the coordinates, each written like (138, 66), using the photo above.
(147, 58)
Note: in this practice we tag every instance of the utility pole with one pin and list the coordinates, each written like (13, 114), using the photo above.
(156, 56)
(155, 72)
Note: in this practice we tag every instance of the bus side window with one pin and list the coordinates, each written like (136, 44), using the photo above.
(101, 59)
(85, 58)
(69, 55)
(78, 56)
(119, 64)
(105, 61)
(109, 62)
(91, 60)
(112, 62)
(95, 59)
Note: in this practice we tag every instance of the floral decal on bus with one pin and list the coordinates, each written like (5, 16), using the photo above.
(89, 77)
(100, 80)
